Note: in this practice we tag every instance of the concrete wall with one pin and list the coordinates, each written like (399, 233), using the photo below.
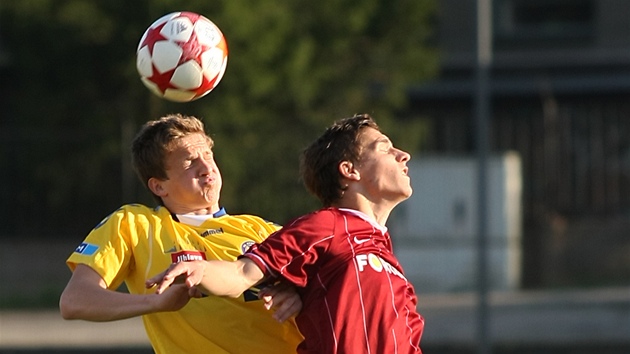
(435, 231)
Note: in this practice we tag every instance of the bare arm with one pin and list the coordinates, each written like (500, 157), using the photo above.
(86, 297)
(221, 278)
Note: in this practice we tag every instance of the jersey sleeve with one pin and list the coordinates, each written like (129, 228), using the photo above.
(293, 251)
(107, 249)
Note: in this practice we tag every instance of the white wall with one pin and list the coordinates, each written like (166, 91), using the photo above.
(435, 231)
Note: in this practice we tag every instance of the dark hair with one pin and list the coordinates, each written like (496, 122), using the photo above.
(319, 163)
(156, 139)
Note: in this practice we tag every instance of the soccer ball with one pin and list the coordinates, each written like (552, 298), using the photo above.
(182, 56)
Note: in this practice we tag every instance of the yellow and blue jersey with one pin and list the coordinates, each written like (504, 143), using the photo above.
(136, 242)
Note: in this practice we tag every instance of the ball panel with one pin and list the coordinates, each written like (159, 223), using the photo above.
(187, 76)
(207, 33)
(144, 64)
(179, 95)
(221, 72)
(166, 55)
(212, 62)
(178, 29)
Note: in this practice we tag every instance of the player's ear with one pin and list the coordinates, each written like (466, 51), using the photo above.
(156, 187)
(347, 170)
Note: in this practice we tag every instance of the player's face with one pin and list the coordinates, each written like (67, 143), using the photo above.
(383, 168)
(194, 181)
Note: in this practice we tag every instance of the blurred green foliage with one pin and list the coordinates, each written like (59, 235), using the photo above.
(72, 99)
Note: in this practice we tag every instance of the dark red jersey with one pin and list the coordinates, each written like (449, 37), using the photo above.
(355, 296)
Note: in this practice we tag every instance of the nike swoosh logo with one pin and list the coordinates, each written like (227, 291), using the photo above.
(357, 241)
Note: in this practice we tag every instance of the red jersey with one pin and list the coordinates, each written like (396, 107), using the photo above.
(354, 294)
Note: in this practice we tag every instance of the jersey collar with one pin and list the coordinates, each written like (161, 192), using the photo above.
(364, 216)
(197, 219)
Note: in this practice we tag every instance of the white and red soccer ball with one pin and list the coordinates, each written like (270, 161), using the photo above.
(182, 56)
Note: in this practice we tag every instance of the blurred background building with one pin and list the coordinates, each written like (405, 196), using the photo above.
(559, 180)
(560, 98)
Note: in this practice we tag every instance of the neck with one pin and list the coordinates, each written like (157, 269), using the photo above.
(182, 210)
(377, 211)
(204, 211)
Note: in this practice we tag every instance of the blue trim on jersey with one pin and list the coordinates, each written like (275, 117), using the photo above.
(87, 249)
(221, 212)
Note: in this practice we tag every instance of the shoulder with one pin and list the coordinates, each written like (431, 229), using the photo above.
(136, 212)
(141, 209)
(254, 226)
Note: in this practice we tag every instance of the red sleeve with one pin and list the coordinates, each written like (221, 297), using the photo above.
(293, 251)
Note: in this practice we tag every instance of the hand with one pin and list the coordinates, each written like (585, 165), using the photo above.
(175, 297)
(283, 298)
(189, 273)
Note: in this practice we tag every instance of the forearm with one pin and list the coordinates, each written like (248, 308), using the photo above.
(87, 297)
(225, 278)
(221, 278)
(104, 305)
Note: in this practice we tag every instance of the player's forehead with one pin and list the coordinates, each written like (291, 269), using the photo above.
(190, 143)
(371, 138)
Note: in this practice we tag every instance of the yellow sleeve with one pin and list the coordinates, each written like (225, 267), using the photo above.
(107, 249)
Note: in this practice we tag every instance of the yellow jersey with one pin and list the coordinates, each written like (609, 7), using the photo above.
(136, 242)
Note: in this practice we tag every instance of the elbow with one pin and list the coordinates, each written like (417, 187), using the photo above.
(66, 314)
(67, 309)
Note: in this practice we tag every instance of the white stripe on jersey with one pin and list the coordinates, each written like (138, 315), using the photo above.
(302, 254)
(359, 285)
(414, 345)
(328, 312)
